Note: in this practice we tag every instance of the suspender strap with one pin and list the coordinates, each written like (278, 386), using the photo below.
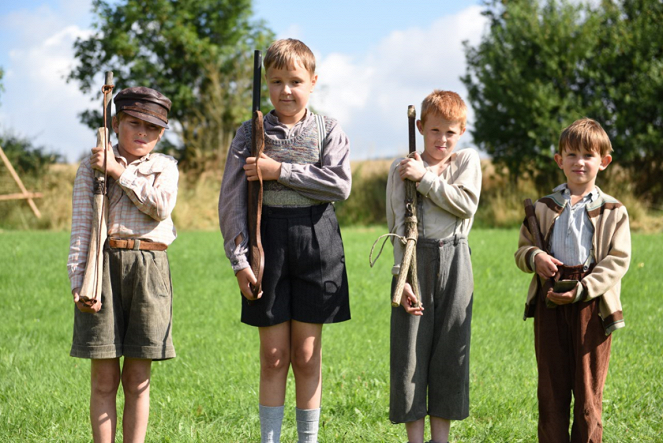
(322, 134)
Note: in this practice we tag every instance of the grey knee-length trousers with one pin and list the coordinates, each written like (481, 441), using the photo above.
(430, 354)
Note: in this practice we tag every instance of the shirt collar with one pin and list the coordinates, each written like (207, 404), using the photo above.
(566, 193)
(116, 153)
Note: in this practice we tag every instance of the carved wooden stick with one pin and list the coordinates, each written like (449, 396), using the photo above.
(408, 265)
(90, 292)
(256, 253)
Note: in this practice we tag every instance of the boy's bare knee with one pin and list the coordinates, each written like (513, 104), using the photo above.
(275, 360)
(305, 362)
(105, 383)
(135, 383)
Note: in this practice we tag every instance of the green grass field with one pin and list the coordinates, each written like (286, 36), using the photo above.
(209, 392)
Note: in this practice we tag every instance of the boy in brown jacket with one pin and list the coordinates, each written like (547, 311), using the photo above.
(587, 240)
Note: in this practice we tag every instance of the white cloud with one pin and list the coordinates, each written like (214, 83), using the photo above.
(37, 102)
(369, 96)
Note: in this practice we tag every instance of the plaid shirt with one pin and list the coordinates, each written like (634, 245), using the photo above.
(141, 203)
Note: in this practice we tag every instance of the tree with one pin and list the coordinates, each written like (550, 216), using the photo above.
(197, 52)
(524, 80)
(630, 68)
(543, 65)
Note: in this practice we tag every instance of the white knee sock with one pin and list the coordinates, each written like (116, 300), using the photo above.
(307, 425)
(270, 423)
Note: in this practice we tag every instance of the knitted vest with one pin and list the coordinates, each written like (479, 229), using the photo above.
(303, 149)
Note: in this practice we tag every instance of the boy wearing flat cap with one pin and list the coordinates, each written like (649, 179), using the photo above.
(133, 318)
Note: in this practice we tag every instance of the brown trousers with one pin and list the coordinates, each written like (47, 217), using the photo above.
(572, 354)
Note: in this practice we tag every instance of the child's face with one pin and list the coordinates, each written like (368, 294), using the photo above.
(136, 137)
(440, 137)
(289, 90)
(581, 167)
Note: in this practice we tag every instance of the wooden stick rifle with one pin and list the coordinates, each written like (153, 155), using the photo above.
(408, 270)
(533, 226)
(255, 188)
(90, 291)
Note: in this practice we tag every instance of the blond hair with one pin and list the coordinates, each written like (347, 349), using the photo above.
(286, 53)
(446, 104)
(585, 133)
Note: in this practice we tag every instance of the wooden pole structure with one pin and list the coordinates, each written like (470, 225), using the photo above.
(24, 192)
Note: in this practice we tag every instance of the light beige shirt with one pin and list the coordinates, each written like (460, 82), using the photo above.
(447, 203)
(141, 203)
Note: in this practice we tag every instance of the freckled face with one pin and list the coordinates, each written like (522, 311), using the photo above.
(136, 137)
(440, 138)
(289, 91)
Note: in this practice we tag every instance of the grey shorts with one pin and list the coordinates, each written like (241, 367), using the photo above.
(135, 319)
(430, 354)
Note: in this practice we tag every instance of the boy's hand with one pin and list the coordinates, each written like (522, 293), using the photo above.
(412, 168)
(562, 298)
(82, 306)
(409, 300)
(112, 166)
(269, 168)
(546, 265)
(245, 279)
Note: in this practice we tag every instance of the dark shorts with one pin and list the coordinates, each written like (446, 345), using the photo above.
(305, 277)
(135, 319)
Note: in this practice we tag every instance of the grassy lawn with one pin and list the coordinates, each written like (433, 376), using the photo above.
(209, 392)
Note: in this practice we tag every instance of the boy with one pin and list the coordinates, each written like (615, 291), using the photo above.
(430, 351)
(134, 317)
(586, 237)
(305, 167)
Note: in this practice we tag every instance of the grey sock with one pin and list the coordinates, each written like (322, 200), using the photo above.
(270, 423)
(307, 425)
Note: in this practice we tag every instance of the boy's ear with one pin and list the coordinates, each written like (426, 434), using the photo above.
(558, 160)
(420, 127)
(605, 161)
(115, 124)
(314, 80)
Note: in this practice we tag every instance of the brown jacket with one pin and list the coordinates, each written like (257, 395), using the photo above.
(612, 251)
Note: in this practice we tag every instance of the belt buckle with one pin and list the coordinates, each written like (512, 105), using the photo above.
(136, 244)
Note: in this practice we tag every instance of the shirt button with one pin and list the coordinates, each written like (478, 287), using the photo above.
(235, 262)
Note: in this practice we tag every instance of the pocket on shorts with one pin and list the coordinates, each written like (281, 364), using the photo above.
(159, 275)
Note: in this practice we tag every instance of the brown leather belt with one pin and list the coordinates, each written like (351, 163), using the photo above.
(131, 243)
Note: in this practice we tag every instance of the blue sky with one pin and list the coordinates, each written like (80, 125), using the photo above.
(374, 58)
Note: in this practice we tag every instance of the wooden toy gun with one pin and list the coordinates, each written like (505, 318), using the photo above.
(90, 291)
(408, 270)
(255, 189)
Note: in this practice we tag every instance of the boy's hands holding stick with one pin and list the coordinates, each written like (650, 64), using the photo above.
(409, 301)
(89, 307)
(546, 267)
(269, 168)
(412, 168)
(246, 280)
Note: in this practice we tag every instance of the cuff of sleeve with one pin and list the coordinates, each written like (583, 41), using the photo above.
(286, 172)
(532, 262)
(580, 292)
(239, 263)
(76, 282)
(426, 183)
(396, 269)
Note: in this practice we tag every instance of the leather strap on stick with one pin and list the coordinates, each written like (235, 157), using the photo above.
(90, 291)
(255, 189)
(409, 263)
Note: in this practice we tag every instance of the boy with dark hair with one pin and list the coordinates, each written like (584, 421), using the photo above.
(588, 244)
(133, 317)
